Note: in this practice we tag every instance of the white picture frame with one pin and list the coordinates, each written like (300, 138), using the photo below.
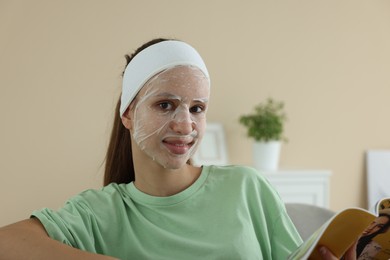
(212, 149)
(378, 176)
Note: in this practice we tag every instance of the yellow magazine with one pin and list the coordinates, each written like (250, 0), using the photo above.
(371, 230)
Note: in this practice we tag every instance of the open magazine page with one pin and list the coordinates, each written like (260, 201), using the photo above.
(305, 249)
(380, 205)
(338, 234)
(374, 242)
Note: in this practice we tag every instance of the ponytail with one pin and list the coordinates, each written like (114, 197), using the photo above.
(119, 167)
(119, 159)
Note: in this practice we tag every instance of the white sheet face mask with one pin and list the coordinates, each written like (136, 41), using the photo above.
(169, 115)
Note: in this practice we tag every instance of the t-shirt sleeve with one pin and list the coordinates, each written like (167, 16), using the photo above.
(71, 225)
(284, 237)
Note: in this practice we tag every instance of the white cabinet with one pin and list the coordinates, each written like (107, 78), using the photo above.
(302, 186)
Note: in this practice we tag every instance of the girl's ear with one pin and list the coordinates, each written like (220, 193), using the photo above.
(126, 119)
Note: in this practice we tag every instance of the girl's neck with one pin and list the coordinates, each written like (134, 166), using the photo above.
(158, 181)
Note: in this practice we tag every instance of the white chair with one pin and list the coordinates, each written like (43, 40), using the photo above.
(308, 218)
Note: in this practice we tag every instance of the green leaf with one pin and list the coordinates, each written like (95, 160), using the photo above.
(267, 122)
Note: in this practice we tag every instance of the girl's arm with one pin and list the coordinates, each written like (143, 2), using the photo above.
(28, 239)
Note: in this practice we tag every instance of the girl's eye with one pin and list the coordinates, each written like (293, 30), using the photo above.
(165, 105)
(196, 109)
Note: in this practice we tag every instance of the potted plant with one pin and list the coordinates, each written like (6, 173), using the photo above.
(265, 126)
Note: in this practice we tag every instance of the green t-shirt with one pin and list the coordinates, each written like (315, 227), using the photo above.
(230, 212)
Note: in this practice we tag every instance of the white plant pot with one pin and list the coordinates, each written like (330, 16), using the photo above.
(266, 155)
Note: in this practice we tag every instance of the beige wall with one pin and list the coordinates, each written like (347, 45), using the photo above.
(60, 66)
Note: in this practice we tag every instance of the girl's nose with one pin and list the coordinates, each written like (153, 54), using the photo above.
(182, 122)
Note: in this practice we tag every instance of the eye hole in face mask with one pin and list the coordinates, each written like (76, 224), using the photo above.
(166, 105)
(197, 109)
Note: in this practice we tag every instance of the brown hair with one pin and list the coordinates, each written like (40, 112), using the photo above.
(119, 166)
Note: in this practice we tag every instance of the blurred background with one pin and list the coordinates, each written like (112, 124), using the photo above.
(60, 78)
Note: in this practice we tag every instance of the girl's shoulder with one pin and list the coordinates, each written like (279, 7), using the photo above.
(236, 170)
(238, 174)
(109, 194)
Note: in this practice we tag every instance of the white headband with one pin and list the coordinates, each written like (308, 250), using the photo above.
(152, 60)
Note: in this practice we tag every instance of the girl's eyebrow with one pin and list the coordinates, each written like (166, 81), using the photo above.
(168, 95)
(202, 100)
(172, 96)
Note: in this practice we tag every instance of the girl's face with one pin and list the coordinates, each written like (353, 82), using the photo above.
(169, 115)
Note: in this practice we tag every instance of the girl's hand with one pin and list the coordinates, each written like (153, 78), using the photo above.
(327, 254)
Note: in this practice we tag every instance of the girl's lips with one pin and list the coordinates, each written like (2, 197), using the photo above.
(178, 147)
